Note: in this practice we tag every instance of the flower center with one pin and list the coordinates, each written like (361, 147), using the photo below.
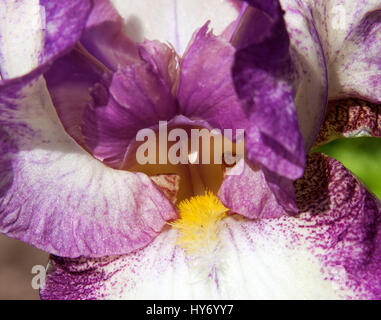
(198, 224)
(200, 157)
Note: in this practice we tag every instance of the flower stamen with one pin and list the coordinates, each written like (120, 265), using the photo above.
(198, 224)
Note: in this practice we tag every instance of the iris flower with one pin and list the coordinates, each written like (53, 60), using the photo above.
(80, 79)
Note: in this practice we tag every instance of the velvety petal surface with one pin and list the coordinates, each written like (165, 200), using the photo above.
(138, 97)
(350, 118)
(33, 33)
(332, 250)
(206, 90)
(56, 196)
(105, 38)
(174, 21)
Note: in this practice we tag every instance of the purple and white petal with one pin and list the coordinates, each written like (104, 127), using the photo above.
(174, 21)
(308, 55)
(55, 196)
(332, 250)
(33, 33)
(335, 42)
(351, 35)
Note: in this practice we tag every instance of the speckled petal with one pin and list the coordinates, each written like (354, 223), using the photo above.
(350, 118)
(332, 250)
(57, 197)
(33, 33)
(138, 97)
(174, 21)
(105, 38)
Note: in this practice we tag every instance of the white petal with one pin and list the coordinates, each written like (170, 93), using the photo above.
(18, 53)
(174, 20)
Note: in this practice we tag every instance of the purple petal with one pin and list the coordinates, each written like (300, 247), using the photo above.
(69, 81)
(332, 250)
(33, 33)
(55, 196)
(206, 90)
(105, 39)
(247, 193)
(350, 118)
(138, 97)
(263, 75)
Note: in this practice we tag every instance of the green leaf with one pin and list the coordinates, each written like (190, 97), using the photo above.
(362, 156)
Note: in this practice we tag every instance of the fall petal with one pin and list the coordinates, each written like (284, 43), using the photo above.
(55, 196)
(350, 118)
(332, 250)
(33, 33)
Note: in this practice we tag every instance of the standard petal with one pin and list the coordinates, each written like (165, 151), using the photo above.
(261, 75)
(104, 37)
(332, 250)
(342, 37)
(55, 196)
(310, 61)
(206, 90)
(33, 33)
(138, 97)
(350, 118)
(70, 80)
(174, 21)
(351, 35)
(264, 76)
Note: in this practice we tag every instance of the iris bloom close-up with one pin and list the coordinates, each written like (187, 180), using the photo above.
(81, 82)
